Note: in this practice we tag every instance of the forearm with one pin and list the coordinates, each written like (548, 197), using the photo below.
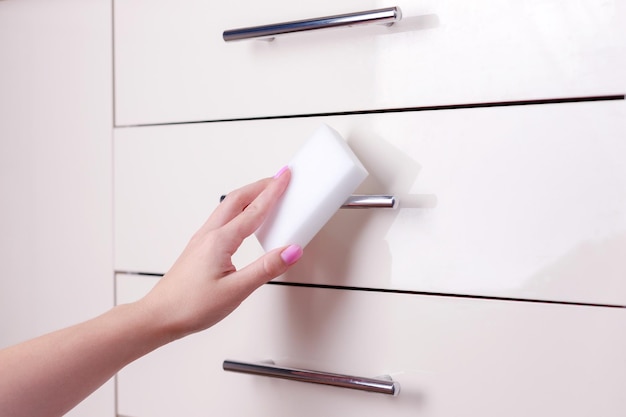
(49, 375)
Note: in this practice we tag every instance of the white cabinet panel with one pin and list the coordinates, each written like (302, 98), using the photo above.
(522, 202)
(172, 65)
(451, 356)
(55, 173)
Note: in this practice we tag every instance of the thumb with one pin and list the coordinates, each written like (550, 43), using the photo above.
(267, 267)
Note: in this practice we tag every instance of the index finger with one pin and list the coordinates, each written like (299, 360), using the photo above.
(251, 218)
(235, 202)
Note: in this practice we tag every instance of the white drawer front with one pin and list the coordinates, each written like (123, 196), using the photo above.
(172, 65)
(451, 357)
(522, 202)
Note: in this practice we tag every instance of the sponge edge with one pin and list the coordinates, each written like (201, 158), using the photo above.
(324, 172)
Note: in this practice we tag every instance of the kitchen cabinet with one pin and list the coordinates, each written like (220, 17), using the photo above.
(516, 202)
(496, 287)
(450, 356)
(172, 64)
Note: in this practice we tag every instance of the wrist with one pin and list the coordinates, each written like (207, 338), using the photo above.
(144, 328)
(159, 317)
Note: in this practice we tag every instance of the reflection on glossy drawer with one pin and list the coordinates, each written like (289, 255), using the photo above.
(451, 356)
(172, 65)
(524, 202)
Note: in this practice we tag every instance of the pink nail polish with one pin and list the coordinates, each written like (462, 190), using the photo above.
(281, 171)
(291, 254)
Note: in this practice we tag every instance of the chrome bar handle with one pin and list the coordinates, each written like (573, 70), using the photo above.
(387, 16)
(363, 201)
(370, 201)
(377, 385)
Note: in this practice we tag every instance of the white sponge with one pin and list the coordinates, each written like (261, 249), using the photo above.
(324, 172)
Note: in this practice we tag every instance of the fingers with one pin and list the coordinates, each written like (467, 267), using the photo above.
(253, 215)
(266, 268)
(234, 203)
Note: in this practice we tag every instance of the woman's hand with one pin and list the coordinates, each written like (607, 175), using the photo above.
(203, 286)
(50, 374)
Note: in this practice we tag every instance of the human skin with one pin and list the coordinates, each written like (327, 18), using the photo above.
(49, 375)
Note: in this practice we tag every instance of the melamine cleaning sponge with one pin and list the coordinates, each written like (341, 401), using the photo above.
(324, 172)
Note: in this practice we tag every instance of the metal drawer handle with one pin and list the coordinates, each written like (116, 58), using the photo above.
(379, 16)
(364, 201)
(370, 201)
(380, 386)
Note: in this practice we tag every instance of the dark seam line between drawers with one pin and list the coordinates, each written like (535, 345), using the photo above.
(399, 110)
(407, 292)
(143, 274)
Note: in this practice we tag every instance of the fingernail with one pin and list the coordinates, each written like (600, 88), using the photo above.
(291, 254)
(281, 171)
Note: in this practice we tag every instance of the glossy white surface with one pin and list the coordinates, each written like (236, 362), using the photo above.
(523, 202)
(173, 66)
(55, 171)
(451, 357)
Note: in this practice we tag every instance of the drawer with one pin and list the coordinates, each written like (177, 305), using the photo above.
(451, 357)
(172, 65)
(519, 202)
